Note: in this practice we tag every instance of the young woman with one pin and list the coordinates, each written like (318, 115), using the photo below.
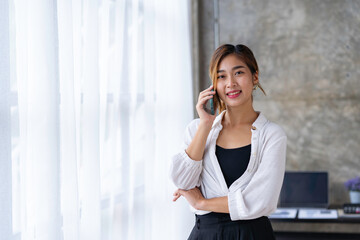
(232, 167)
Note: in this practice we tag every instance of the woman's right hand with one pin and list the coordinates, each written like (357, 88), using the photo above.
(205, 96)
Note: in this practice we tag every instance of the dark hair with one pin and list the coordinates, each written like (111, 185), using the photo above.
(241, 51)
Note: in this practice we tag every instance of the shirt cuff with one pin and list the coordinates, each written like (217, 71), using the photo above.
(234, 200)
(185, 172)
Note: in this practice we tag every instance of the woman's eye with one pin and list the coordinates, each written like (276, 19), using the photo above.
(220, 77)
(237, 73)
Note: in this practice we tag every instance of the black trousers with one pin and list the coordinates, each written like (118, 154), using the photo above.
(218, 226)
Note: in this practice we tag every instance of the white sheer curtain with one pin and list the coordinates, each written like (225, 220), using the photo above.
(103, 96)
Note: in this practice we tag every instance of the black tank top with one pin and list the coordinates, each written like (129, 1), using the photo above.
(233, 162)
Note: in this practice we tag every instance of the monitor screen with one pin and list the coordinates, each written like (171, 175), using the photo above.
(304, 189)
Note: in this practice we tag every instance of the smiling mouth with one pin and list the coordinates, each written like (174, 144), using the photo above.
(234, 93)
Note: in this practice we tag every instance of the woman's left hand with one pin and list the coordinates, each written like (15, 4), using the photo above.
(193, 196)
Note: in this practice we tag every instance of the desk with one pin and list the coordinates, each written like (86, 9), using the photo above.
(319, 229)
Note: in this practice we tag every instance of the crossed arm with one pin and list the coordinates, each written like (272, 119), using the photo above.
(197, 200)
(195, 151)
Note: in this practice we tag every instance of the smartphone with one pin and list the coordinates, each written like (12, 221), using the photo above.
(212, 110)
(209, 107)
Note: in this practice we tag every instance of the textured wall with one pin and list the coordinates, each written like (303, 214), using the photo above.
(309, 58)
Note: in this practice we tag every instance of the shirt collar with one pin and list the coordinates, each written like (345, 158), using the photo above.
(258, 124)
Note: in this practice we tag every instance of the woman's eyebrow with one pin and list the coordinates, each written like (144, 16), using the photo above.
(236, 67)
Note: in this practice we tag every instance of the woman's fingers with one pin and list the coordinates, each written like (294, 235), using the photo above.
(211, 87)
(176, 198)
(204, 100)
(206, 92)
(176, 195)
(204, 97)
(210, 93)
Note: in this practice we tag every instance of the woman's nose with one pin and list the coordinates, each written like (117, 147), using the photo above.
(231, 81)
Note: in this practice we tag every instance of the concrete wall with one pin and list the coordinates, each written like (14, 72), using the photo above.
(309, 58)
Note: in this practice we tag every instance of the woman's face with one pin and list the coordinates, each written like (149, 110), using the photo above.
(235, 82)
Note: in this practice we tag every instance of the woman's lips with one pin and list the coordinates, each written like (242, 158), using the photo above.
(234, 94)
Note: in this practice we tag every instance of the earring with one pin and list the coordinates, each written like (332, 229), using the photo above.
(255, 87)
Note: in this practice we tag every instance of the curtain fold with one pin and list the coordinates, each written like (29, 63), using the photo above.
(69, 122)
(5, 125)
(40, 105)
(172, 88)
(104, 94)
(90, 150)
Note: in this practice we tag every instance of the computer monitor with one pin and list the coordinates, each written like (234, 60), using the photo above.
(305, 189)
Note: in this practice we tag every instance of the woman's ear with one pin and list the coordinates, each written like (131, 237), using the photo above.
(255, 79)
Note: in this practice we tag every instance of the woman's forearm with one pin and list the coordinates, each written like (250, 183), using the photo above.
(197, 200)
(219, 204)
(196, 148)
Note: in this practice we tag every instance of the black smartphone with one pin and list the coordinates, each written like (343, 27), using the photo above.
(209, 107)
(212, 110)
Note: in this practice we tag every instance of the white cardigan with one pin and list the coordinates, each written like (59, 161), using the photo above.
(256, 192)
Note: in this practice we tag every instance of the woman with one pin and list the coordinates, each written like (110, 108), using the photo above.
(232, 167)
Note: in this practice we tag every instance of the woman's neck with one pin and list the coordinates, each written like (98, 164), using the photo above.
(239, 116)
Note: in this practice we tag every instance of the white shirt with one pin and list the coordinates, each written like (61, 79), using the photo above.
(256, 192)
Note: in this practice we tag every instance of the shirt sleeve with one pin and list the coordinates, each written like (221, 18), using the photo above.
(184, 171)
(260, 196)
